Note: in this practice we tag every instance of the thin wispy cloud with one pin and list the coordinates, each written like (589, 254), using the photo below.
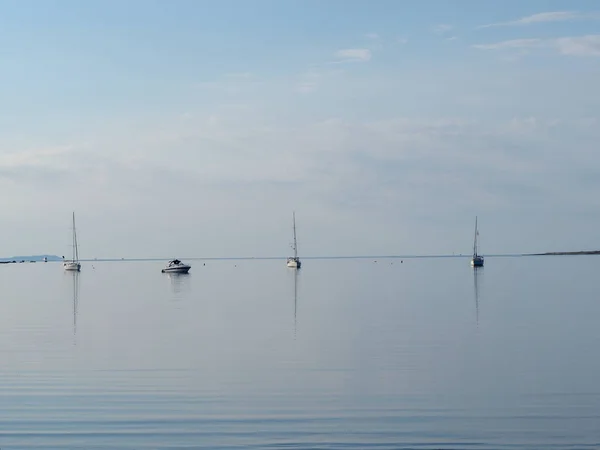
(442, 28)
(546, 17)
(571, 45)
(579, 46)
(309, 82)
(352, 55)
(240, 75)
(510, 44)
(402, 41)
(306, 87)
(373, 36)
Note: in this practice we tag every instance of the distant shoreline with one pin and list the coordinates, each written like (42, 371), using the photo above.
(55, 258)
(582, 252)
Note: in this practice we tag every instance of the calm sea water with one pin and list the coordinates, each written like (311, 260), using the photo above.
(346, 354)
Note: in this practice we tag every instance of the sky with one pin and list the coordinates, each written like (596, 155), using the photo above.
(195, 128)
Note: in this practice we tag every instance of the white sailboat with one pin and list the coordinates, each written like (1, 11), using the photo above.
(294, 261)
(73, 264)
(477, 260)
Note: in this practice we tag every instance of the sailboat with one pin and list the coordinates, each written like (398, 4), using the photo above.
(73, 264)
(294, 261)
(477, 260)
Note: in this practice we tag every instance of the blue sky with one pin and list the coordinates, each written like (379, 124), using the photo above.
(195, 128)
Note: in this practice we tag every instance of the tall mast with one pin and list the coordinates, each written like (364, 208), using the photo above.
(475, 239)
(295, 244)
(75, 250)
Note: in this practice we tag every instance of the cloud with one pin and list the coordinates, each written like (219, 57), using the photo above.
(442, 28)
(353, 55)
(573, 46)
(239, 75)
(316, 77)
(579, 46)
(545, 17)
(511, 44)
(237, 166)
(36, 156)
(372, 35)
(306, 87)
(402, 41)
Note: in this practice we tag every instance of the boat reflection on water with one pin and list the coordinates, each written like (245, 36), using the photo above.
(477, 272)
(75, 295)
(296, 273)
(180, 284)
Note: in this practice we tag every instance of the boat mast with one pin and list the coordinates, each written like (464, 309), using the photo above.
(475, 239)
(295, 244)
(75, 250)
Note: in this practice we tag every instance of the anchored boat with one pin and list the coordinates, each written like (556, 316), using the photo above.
(176, 266)
(477, 260)
(73, 265)
(294, 261)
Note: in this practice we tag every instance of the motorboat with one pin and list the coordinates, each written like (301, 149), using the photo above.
(176, 266)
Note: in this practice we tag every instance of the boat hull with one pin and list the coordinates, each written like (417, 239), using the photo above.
(72, 266)
(179, 269)
(477, 261)
(294, 263)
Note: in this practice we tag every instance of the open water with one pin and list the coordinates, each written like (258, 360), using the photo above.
(344, 354)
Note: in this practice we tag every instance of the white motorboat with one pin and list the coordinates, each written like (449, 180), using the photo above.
(176, 266)
(477, 260)
(73, 265)
(294, 261)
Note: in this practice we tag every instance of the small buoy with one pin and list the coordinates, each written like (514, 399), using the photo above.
(401, 261)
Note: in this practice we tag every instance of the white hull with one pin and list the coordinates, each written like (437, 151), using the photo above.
(177, 270)
(294, 263)
(181, 268)
(72, 266)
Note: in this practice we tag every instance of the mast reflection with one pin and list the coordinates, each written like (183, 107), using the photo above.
(75, 286)
(295, 301)
(476, 289)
